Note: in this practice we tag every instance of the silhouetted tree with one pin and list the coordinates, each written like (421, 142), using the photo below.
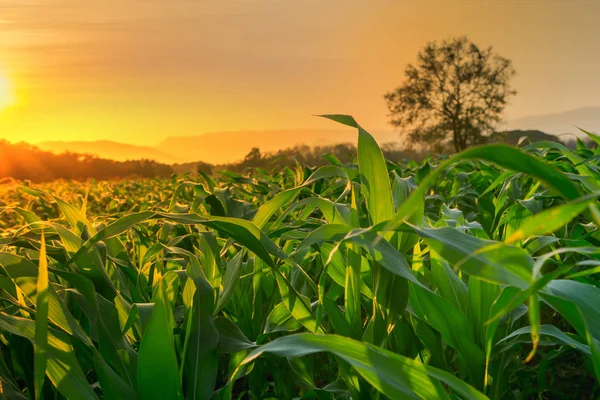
(253, 155)
(455, 94)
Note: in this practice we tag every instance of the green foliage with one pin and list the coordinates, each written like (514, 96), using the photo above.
(467, 277)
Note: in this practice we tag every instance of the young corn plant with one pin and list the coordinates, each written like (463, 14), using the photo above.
(467, 277)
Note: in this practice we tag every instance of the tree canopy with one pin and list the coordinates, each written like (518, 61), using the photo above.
(454, 95)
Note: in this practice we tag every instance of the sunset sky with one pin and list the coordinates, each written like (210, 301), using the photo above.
(139, 71)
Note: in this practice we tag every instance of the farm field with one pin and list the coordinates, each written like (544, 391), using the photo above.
(468, 277)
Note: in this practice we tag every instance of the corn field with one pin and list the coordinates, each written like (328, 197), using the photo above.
(468, 277)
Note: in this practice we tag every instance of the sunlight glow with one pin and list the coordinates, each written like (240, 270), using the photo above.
(7, 97)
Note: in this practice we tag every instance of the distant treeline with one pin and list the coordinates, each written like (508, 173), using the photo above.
(303, 154)
(22, 161)
(316, 155)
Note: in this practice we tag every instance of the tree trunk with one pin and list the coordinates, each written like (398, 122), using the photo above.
(456, 138)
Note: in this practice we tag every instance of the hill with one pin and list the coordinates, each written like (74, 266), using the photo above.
(108, 149)
(532, 135)
(587, 118)
(22, 161)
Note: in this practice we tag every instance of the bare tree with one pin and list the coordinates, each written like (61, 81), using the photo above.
(455, 94)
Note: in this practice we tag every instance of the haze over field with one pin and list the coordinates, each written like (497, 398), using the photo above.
(109, 149)
(230, 146)
(216, 147)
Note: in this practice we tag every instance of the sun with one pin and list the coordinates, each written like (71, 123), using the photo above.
(7, 97)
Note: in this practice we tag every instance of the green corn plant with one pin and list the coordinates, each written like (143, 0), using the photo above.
(472, 276)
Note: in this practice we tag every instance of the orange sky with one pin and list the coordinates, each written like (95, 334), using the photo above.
(141, 70)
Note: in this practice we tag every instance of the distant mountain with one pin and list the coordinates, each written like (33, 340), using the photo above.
(230, 146)
(587, 118)
(111, 150)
